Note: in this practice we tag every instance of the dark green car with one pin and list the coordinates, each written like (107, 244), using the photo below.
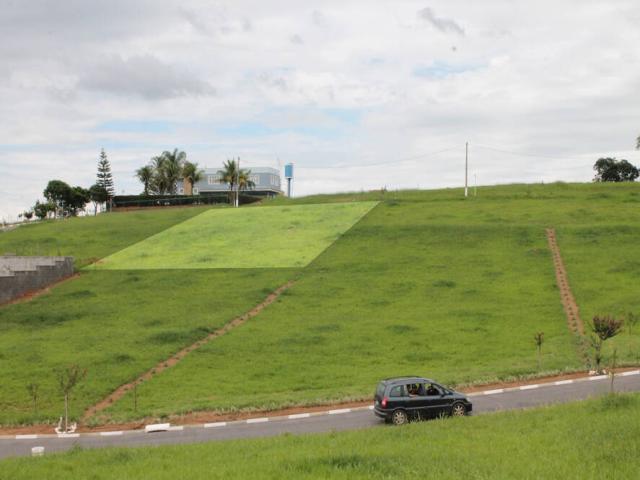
(401, 399)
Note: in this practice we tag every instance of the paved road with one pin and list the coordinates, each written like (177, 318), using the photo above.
(349, 419)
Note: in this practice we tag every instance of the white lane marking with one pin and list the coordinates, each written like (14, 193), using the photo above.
(26, 437)
(493, 392)
(258, 420)
(632, 372)
(157, 427)
(563, 382)
(177, 428)
(111, 434)
(37, 451)
(299, 415)
(339, 411)
(599, 377)
(215, 424)
(529, 387)
(68, 435)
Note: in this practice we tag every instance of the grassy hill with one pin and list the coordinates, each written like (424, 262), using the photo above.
(91, 238)
(426, 283)
(586, 440)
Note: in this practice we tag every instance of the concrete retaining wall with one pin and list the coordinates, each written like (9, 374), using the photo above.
(21, 275)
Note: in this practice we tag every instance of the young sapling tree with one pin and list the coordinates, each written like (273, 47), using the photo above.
(603, 328)
(539, 339)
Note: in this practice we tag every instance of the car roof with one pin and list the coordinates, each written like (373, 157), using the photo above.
(395, 380)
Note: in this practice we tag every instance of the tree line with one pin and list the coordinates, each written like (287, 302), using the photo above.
(610, 169)
(63, 200)
(163, 173)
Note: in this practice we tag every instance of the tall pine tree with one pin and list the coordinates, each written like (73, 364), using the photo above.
(104, 178)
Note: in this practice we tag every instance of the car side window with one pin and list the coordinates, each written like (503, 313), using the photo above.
(432, 390)
(396, 391)
(415, 389)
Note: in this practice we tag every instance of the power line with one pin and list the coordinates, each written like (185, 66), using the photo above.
(522, 154)
(386, 162)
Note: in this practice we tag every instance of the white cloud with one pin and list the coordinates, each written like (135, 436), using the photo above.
(354, 83)
(443, 24)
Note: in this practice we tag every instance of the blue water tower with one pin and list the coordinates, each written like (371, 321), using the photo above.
(288, 174)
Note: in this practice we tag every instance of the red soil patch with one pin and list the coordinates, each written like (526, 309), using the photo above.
(174, 359)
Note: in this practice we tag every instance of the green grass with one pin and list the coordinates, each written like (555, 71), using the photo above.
(425, 283)
(396, 295)
(603, 264)
(117, 325)
(259, 237)
(585, 440)
(91, 238)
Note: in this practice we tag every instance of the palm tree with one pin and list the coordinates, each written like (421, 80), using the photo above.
(190, 175)
(232, 175)
(172, 163)
(145, 175)
(244, 180)
(158, 184)
(229, 175)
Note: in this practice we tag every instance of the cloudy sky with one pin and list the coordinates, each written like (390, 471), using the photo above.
(358, 94)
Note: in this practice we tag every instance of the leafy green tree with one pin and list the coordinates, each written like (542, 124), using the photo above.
(41, 210)
(98, 195)
(145, 175)
(104, 177)
(58, 193)
(603, 328)
(78, 199)
(613, 170)
(28, 215)
(191, 174)
(67, 200)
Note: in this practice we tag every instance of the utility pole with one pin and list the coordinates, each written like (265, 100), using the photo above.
(238, 183)
(466, 170)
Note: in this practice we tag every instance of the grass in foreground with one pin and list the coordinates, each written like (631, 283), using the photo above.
(585, 440)
(258, 237)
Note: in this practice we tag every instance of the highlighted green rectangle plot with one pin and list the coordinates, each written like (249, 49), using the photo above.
(256, 237)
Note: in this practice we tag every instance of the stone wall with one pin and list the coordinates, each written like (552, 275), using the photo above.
(22, 275)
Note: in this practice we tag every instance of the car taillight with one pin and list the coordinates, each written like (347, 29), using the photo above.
(384, 402)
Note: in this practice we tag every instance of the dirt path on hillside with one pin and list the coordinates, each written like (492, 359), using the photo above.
(174, 359)
(568, 301)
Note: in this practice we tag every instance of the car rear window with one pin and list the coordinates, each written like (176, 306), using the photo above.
(396, 391)
(380, 389)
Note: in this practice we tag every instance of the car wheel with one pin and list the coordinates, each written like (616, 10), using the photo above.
(458, 410)
(399, 417)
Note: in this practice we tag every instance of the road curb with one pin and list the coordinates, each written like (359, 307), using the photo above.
(298, 416)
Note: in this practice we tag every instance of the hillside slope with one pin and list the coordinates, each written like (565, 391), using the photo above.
(426, 283)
